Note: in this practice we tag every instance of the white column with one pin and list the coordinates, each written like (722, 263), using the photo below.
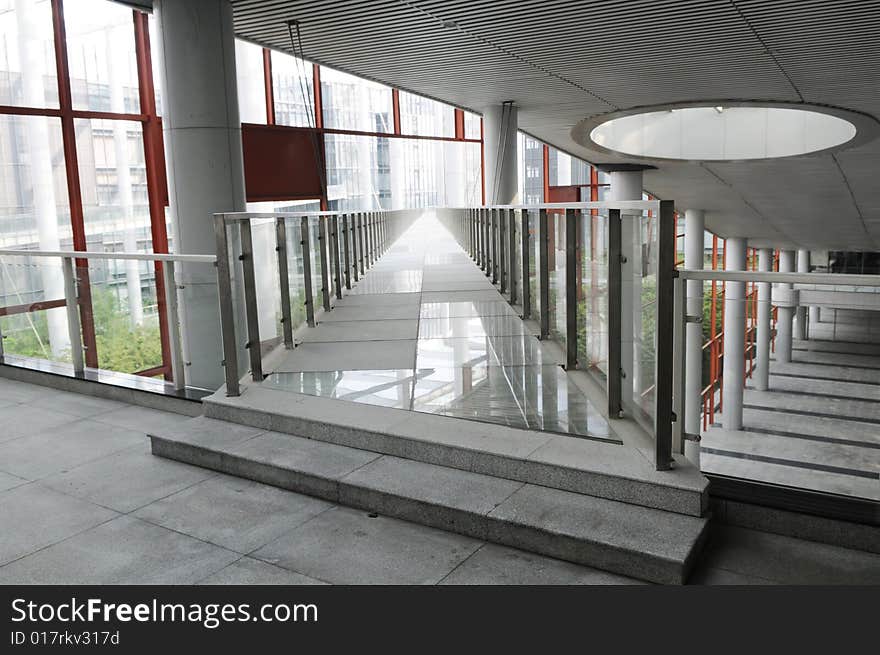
(803, 266)
(734, 335)
(627, 185)
(499, 148)
(694, 239)
(784, 315)
(129, 228)
(39, 149)
(205, 164)
(761, 375)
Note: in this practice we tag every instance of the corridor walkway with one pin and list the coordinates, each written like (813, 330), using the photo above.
(816, 428)
(424, 330)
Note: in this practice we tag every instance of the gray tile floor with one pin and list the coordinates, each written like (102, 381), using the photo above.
(116, 514)
(817, 427)
(425, 330)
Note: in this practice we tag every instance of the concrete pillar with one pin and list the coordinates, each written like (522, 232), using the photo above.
(205, 166)
(627, 185)
(115, 44)
(734, 335)
(30, 53)
(803, 266)
(784, 315)
(761, 374)
(499, 148)
(694, 239)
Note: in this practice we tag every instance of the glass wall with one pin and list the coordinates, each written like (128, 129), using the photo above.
(425, 117)
(530, 170)
(353, 103)
(101, 56)
(27, 57)
(250, 82)
(293, 88)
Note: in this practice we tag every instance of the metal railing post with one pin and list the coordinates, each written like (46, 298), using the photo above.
(486, 263)
(502, 250)
(663, 415)
(323, 243)
(493, 256)
(526, 266)
(178, 371)
(571, 291)
(478, 230)
(346, 237)
(72, 304)
(250, 300)
(284, 281)
(227, 310)
(361, 246)
(368, 228)
(615, 365)
(334, 244)
(543, 264)
(679, 353)
(354, 248)
(511, 247)
(307, 271)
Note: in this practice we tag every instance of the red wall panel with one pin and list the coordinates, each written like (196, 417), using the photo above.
(281, 163)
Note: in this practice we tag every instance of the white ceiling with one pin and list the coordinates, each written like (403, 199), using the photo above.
(562, 61)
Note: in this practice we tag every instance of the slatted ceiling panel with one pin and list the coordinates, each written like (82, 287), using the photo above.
(564, 60)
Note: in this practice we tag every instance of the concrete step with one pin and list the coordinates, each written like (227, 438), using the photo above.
(592, 467)
(648, 544)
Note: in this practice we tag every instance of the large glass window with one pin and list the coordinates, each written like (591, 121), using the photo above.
(473, 126)
(113, 182)
(530, 170)
(250, 82)
(34, 210)
(101, 55)
(425, 117)
(293, 88)
(566, 170)
(27, 54)
(365, 172)
(352, 103)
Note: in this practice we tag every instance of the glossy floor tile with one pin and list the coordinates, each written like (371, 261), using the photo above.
(531, 397)
(466, 308)
(517, 350)
(387, 387)
(471, 326)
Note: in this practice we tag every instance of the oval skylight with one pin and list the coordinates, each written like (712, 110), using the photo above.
(719, 133)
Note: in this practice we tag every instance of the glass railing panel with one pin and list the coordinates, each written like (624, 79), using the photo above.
(556, 221)
(33, 318)
(295, 272)
(125, 312)
(534, 259)
(263, 235)
(592, 317)
(315, 245)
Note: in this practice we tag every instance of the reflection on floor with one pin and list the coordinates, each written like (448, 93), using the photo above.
(425, 330)
(818, 427)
